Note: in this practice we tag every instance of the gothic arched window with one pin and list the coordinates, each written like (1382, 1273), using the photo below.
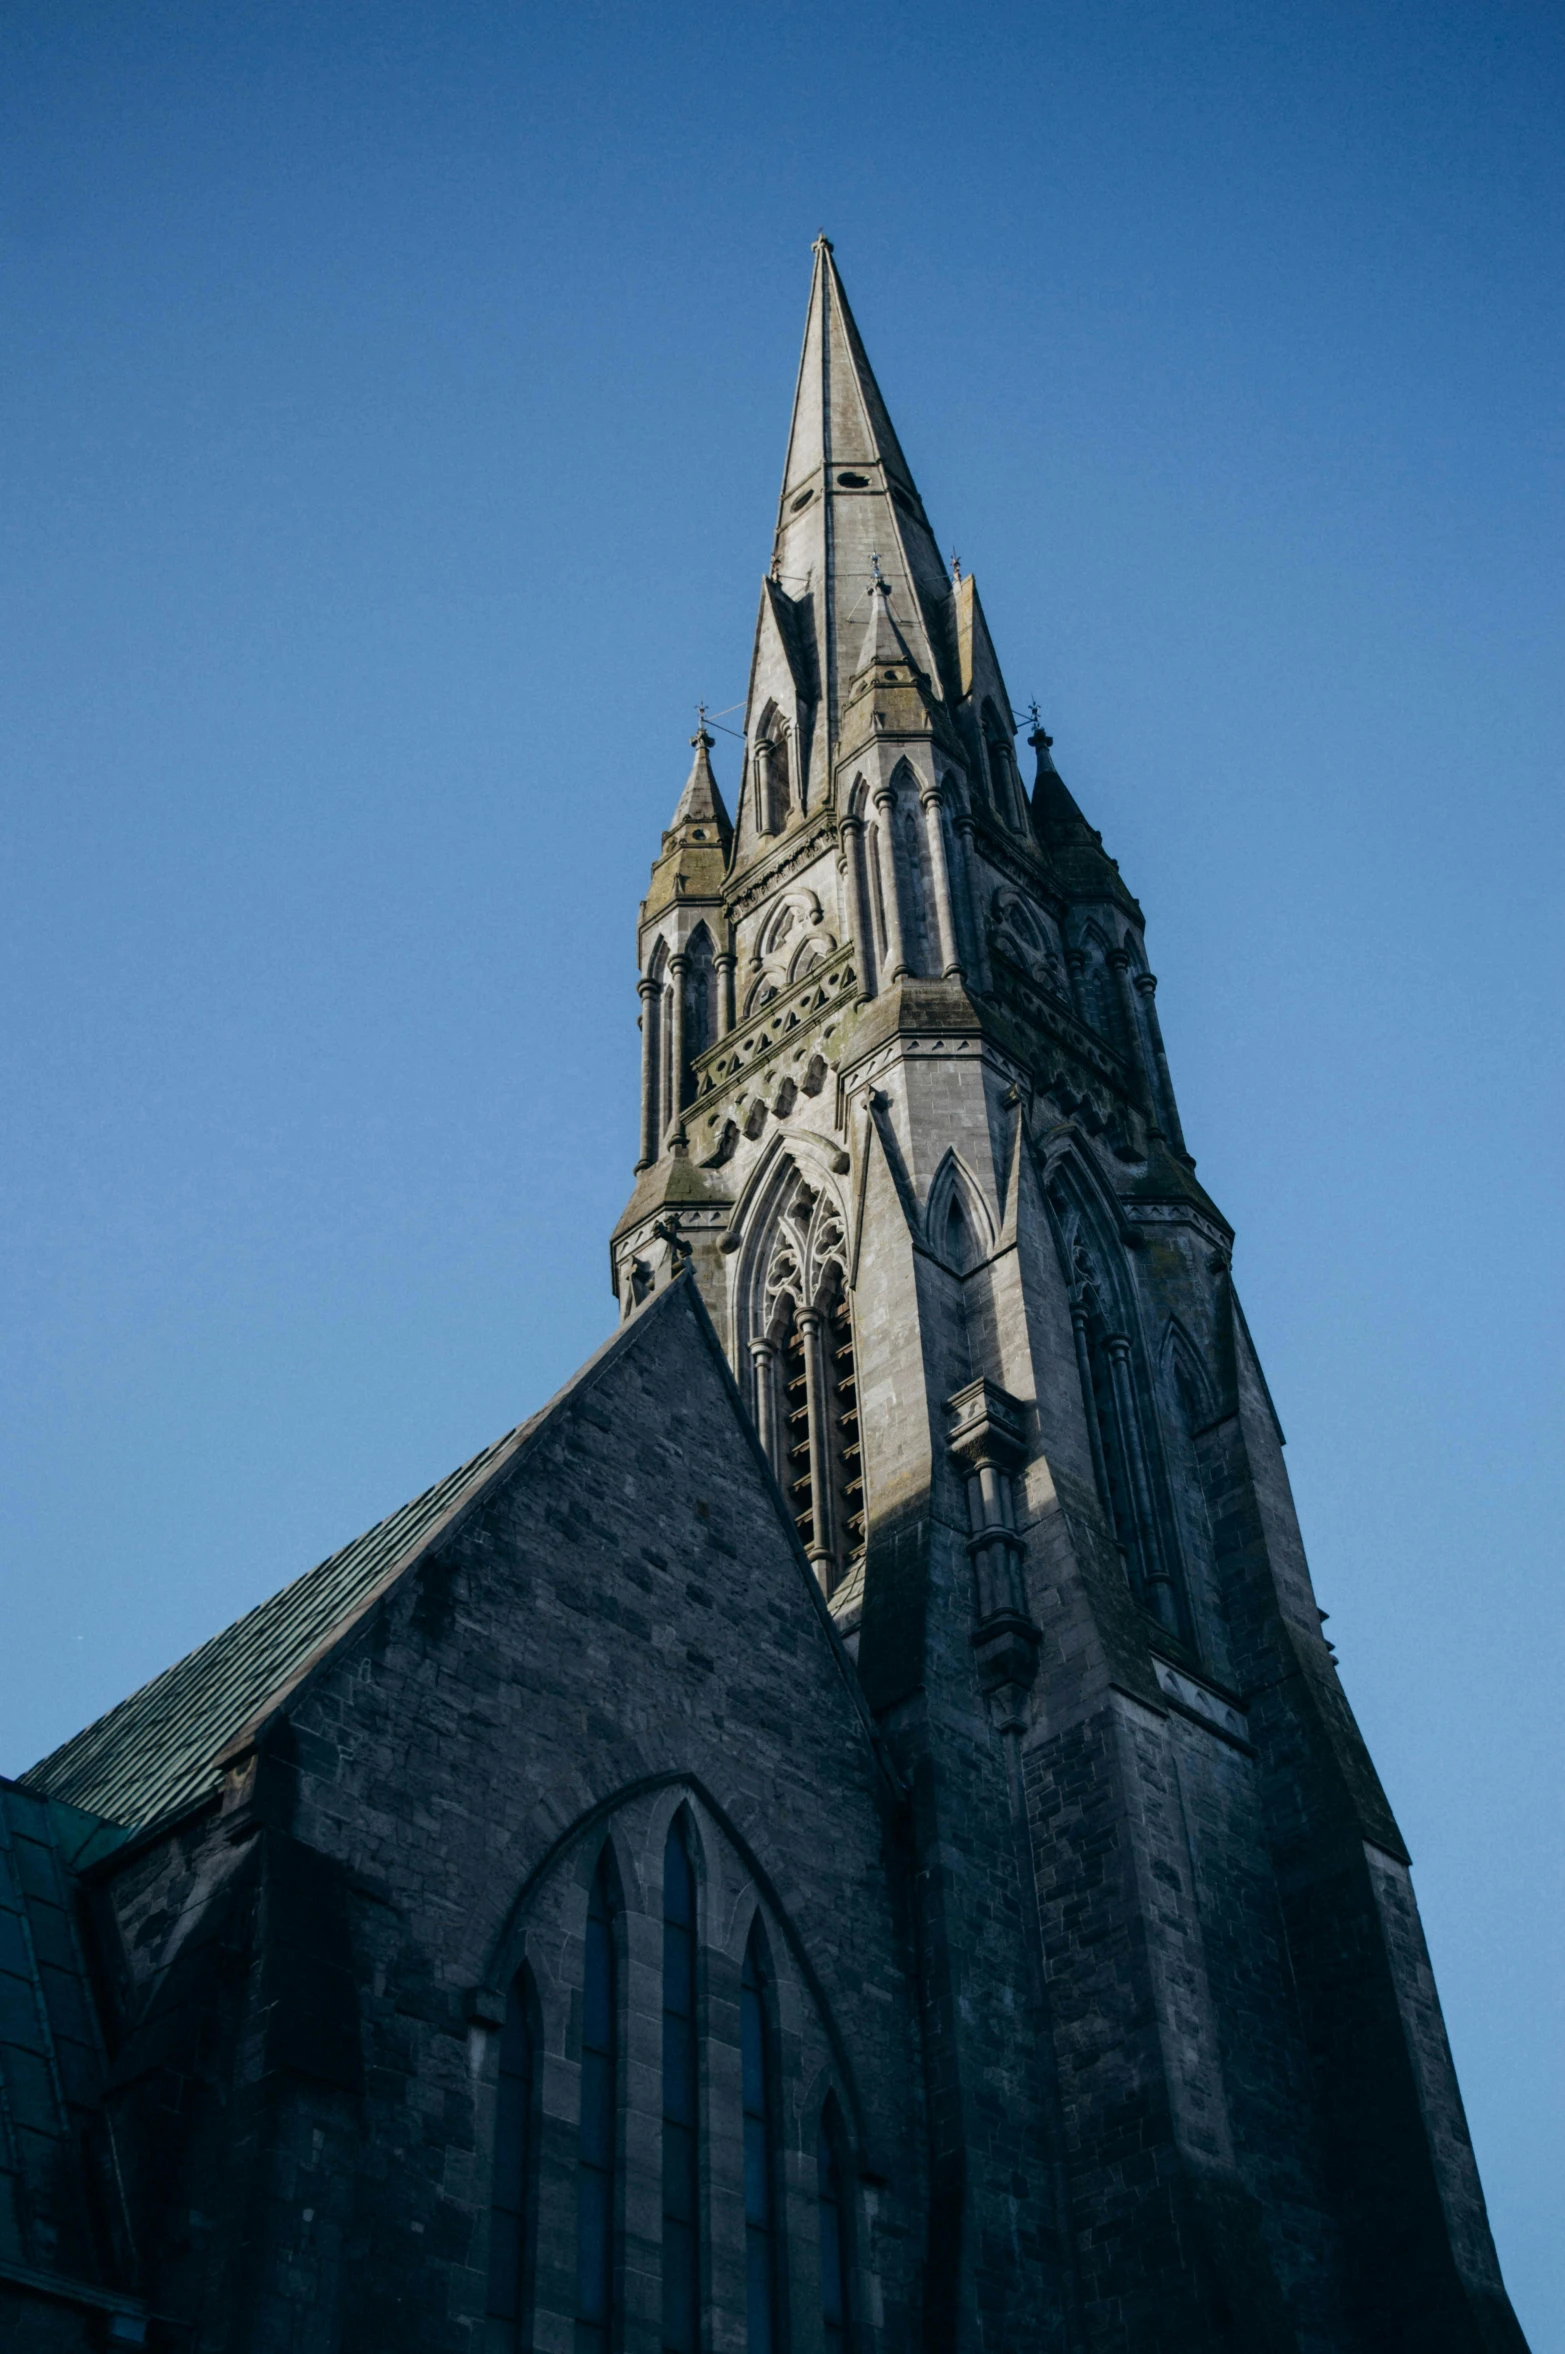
(806, 1387)
(655, 1109)
(1119, 1431)
(772, 794)
(918, 929)
(596, 2167)
(514, 2174)
(599, 2003)
(832, 2207)
(758, 2073)
(700, 984)
(1002, 764)
(681, 2099)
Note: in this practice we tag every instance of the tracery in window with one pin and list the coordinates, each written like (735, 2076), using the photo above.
(681, 2098)
(758, 2072)
(807, 1408)
(514, 2175)
(599, 2130)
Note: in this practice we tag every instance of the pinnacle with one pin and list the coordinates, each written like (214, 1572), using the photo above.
(882, 640)
(1058, 820)
(701, 803)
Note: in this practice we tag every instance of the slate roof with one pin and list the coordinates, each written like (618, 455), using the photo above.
(155, 1753)
(51, 2054)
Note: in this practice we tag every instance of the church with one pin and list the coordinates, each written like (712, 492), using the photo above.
(843, 1833)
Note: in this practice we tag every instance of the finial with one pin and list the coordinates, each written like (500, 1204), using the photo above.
(821, 239)
(701, 740)
(956, 565)
(881, 581)
(1038, 736)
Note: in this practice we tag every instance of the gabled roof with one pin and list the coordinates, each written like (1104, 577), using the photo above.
(153, 1755)
(158, 1753)
(51, 2060)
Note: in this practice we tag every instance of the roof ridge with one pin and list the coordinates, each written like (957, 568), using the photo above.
(152, 1754)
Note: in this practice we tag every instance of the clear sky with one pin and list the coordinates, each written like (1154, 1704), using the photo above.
(392, 418)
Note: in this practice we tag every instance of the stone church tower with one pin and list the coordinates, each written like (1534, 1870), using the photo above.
(842, 1833)
(907, 1116)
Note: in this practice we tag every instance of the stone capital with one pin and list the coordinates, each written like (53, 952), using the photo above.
(987, 1427)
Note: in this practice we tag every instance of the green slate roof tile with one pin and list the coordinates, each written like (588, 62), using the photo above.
(156, 1753)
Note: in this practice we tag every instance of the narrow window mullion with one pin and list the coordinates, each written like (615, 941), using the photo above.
(835, 2302)
(681, 2102)
(760, 2194)
(597, 2149)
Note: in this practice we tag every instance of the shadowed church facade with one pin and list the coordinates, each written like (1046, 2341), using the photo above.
(844, 1831)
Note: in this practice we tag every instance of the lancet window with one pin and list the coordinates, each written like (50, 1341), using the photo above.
(918, 928)
(757, 2068)
(1004, 783)
(834, 2224)
(1125, 1462)
(681, 2099)
(700, 987)
(773, 793)
(597, 2167)
(806, 1384)
(612, 1995)
(679, 1021)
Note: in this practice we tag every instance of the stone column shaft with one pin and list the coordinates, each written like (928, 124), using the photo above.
(1146, 985)
(896, 960)
(763, 1355)
(674, 1114)
(966, 829)
(858, 903)
(822, 1555)
(945, 922)
(651, 995)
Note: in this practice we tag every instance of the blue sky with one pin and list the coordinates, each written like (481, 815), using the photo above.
(392, 423)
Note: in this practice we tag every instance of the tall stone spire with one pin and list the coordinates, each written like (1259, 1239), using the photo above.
(849, 505)
(908, 1126)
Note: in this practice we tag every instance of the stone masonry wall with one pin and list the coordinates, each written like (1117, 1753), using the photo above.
(624, 1608)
